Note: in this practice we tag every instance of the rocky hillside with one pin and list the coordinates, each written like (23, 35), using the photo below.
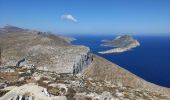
(45, 51)
(42, 66)
(102, 69)
(34, 84)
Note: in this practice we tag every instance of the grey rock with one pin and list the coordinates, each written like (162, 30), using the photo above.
(106, 96)
(3, 85)
(70, 59)
(30, 91)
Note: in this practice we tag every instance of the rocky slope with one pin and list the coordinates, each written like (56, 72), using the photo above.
(37, 65)
(120, 44)
(101, 69)
(34, 84)
(45, 51)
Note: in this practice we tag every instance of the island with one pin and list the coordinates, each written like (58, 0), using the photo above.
(120, 44)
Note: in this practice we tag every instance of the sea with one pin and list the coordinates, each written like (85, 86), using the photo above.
(150, 61)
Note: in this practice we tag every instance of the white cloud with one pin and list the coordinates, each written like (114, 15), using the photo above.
(69, 17)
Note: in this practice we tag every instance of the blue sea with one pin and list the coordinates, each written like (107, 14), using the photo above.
(150, 61)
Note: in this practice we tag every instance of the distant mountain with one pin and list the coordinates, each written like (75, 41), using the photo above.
(10, 28)
(119, 41)
(120, 44)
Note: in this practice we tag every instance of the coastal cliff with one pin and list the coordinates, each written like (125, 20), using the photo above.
(45, 51)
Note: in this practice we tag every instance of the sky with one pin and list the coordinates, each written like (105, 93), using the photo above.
(88, 16)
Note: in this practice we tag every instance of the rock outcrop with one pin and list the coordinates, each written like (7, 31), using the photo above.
(30, 92)
(65, 59)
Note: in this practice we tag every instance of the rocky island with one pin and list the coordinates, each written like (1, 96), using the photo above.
(42, 66)
(120, 44)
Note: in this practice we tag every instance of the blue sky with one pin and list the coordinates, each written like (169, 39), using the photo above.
(92, 16)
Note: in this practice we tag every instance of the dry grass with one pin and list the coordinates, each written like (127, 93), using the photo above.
(3, 92)
(54, 91)
(103, 70)
(14, 45)
(9, 76)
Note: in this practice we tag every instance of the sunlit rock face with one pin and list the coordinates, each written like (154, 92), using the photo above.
(65, 59)
(82, 62)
